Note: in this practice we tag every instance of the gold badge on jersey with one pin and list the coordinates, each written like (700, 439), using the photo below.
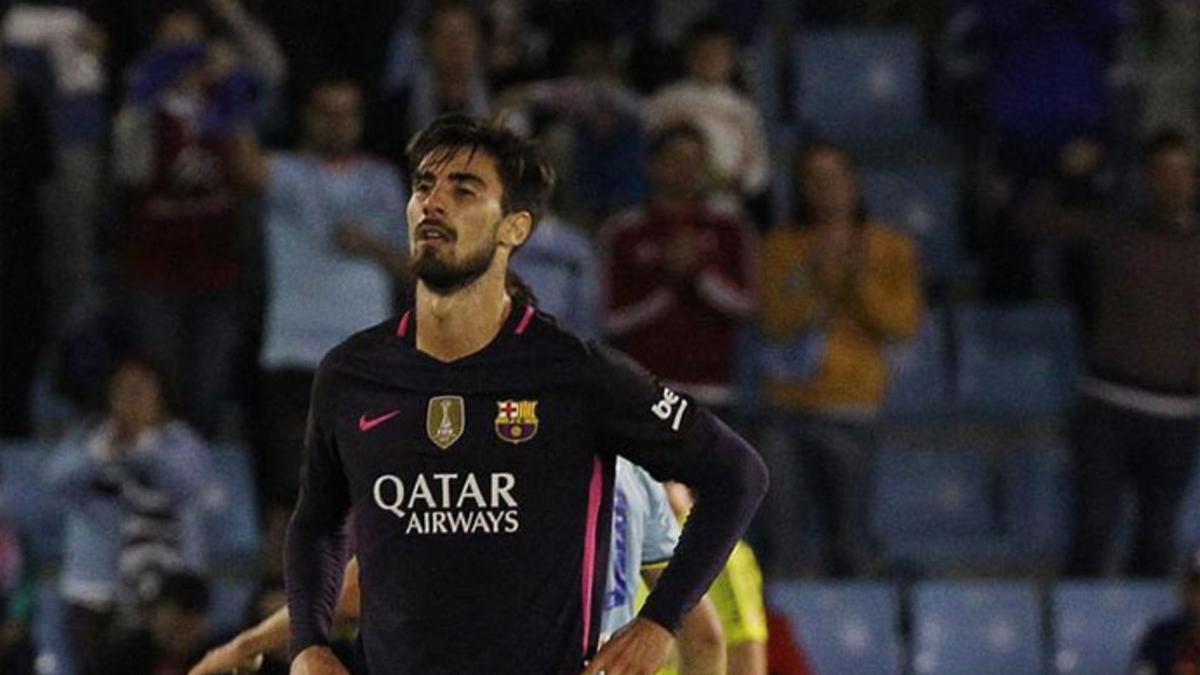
(516, 421)
(445, 420)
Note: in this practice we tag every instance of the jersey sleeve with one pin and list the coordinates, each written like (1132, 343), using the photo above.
(674, 438)
(315, 549)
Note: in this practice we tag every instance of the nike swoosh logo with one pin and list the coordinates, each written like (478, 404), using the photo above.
(365, 424)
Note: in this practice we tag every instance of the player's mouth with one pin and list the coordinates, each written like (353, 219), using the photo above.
(433, 231)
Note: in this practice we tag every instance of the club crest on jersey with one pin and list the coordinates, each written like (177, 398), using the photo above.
(445, 420)
(516, 421)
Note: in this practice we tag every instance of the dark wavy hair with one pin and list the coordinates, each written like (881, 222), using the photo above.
(527, 178)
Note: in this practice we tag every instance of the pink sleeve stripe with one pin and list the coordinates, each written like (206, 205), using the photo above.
(525, 319)
(595, 492)
(402, 329)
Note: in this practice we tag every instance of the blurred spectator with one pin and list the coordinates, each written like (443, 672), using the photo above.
(561, 266)
(678, 274)
(26, 163)
(1166, 64)
(448, 75)
(733, 126)
(173, 635)
(336, 245)
(16, 604)
(1046, 71)
(1172, 646)
(1057, 212)
(1139, 419)
(132, 488)
(837, 289)
(72, 47)
(174, 147)
(601, 118)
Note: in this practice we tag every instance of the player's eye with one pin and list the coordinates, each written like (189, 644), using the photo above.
(464, 191)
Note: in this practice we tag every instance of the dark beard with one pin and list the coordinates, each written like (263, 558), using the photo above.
(444, 278)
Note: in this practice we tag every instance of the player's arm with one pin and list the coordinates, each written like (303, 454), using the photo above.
(675, 439)
(700, 643)
(246, 649)
(314, 555)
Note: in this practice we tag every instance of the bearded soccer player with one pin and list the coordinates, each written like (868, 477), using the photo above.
(469, 440)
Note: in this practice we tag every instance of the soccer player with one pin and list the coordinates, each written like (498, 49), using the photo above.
(470, 438)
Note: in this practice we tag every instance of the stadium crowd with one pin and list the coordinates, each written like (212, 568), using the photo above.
(938, 258)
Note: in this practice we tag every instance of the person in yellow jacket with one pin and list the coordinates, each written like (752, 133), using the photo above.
(836, 289)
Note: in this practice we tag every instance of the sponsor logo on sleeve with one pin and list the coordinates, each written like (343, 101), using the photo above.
(670, 407)
(516, 421)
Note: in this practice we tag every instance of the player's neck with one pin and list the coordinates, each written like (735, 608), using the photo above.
(458, 324)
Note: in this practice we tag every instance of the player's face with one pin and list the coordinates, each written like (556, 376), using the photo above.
(454, 215)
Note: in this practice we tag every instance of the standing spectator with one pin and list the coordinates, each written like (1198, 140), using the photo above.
(560, 264)
(678, 274)
(602, 118)
(336, 246)
(733, 126)
(1139, 418)
(174, 149)
(1172, 646)
(26, 163)
(132, 487)
(837, 289)
(1046, 86)
(449, 75)
(17, 652)
(73, 48)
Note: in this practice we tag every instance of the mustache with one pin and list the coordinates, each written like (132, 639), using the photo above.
(437, 226)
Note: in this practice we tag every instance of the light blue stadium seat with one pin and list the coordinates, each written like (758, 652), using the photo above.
(1017, 361)
(1037, 504)
(232, 523)
(936, 510)
(964, 628)
(861, 88)
(919, 372)
(1097, 625)
(922, 202)
(26, 500)
(843, 627)
(925, 494)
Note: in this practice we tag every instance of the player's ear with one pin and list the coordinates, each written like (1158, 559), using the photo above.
(516, 228)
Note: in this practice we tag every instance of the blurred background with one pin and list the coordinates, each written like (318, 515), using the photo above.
(938, 259)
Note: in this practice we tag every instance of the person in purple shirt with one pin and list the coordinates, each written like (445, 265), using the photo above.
(469, 440)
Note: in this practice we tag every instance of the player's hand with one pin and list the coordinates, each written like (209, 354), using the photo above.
(228, 658)
(640, 648)
(317, 660)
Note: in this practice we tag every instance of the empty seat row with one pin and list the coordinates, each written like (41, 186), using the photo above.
(952, 627)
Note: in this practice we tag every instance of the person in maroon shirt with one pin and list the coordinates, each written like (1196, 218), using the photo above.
(678, 274)
(1138, 422)
(469, 447)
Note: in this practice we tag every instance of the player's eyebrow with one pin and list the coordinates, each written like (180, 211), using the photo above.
(466, 177)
